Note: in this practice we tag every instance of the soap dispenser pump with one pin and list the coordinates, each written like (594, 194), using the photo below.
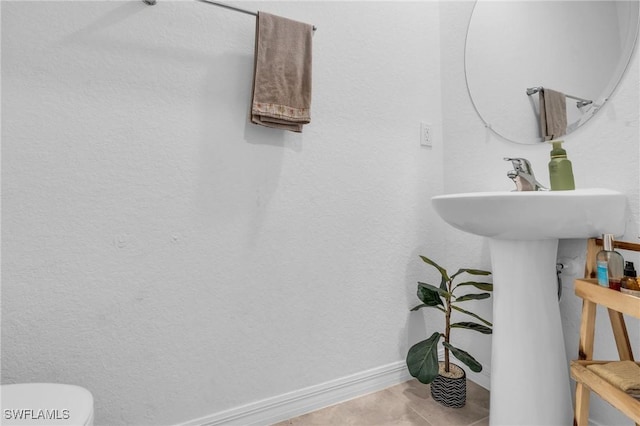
(560, 169)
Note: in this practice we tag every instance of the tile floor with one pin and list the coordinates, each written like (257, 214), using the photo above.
(406, 404)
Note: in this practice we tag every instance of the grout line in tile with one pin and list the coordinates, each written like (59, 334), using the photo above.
(419, 415)
(477, 422)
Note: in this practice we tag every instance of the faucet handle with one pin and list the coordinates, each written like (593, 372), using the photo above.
(522, 175)
(520, 164)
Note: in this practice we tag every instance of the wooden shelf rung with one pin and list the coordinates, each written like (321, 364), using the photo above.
(584, 362)
(608, 392)
(589, 289)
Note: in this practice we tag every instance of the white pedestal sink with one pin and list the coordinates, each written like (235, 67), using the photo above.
(529, 369)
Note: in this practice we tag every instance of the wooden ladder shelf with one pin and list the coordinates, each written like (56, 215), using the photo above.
(617, 304)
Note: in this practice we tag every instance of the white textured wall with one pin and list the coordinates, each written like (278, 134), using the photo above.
(177, 261)
(605, 153)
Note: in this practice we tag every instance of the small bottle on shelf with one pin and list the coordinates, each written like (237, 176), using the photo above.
(609, 264)
(629, 283)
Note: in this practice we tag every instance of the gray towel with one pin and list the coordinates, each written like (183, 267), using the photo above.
(553, 114)
(282, 73)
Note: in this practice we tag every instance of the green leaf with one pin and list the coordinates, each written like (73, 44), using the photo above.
(475, 296)
(440, 269)
(463, 356)
(473, 326)
(470, 271)
(477, 272)
(472, 314)
(424, 305)
(443, 284)
(429, 297)
(415, 308)
(422, 359)
(480, 286)
(441, 292)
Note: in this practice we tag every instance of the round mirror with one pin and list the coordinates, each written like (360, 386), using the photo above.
(516, 49)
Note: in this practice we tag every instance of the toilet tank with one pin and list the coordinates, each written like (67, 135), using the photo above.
(46, 404)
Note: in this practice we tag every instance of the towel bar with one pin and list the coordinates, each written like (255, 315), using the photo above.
(220, 4)
(581, 102)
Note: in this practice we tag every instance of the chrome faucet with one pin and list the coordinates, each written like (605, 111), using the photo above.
(522, 175)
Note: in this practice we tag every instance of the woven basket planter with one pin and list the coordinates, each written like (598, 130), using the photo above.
(450, 391)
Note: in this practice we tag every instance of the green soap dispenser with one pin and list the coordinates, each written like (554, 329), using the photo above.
(560, 170)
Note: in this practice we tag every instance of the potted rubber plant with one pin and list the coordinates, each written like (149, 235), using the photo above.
(448, 380)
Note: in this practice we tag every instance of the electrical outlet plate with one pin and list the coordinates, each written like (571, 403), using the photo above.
(426, 134)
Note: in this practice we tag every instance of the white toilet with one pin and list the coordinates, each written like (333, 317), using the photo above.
(46, 404)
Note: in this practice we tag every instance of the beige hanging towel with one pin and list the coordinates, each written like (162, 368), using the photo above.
(553, 114)
(282, 73)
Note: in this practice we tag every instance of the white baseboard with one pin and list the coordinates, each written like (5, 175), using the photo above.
(296, 403)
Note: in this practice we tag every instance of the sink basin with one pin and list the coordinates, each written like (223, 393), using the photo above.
(581, 213)
(529, 368)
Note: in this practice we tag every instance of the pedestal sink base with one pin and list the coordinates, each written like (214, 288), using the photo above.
(529, 371)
